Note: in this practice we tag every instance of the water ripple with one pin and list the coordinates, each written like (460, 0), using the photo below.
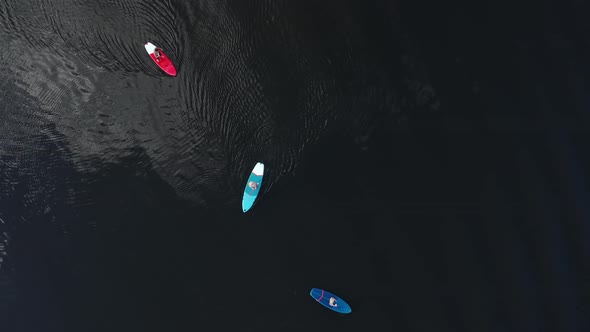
(255, 82)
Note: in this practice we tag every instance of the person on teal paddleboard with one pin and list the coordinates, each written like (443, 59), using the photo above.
(253, 185)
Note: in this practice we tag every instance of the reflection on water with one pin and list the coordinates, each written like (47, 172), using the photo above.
(255, 83)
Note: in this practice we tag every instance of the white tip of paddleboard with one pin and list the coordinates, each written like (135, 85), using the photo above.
(258, 169)
(150, 48)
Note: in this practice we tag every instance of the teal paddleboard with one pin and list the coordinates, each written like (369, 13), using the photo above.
(252, 187)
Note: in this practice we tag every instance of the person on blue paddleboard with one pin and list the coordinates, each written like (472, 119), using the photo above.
(333, 302)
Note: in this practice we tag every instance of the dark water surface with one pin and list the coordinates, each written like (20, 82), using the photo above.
(426, 161)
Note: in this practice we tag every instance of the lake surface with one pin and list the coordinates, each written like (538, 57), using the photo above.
(425, 161)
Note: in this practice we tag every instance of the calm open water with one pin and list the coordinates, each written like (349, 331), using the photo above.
(426, 161)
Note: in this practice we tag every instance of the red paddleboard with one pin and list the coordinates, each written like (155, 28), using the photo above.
(163, 61)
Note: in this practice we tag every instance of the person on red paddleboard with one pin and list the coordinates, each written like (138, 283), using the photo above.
(157, 54)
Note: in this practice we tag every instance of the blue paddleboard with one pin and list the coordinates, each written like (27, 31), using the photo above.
(252, 187)
(337, 304)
